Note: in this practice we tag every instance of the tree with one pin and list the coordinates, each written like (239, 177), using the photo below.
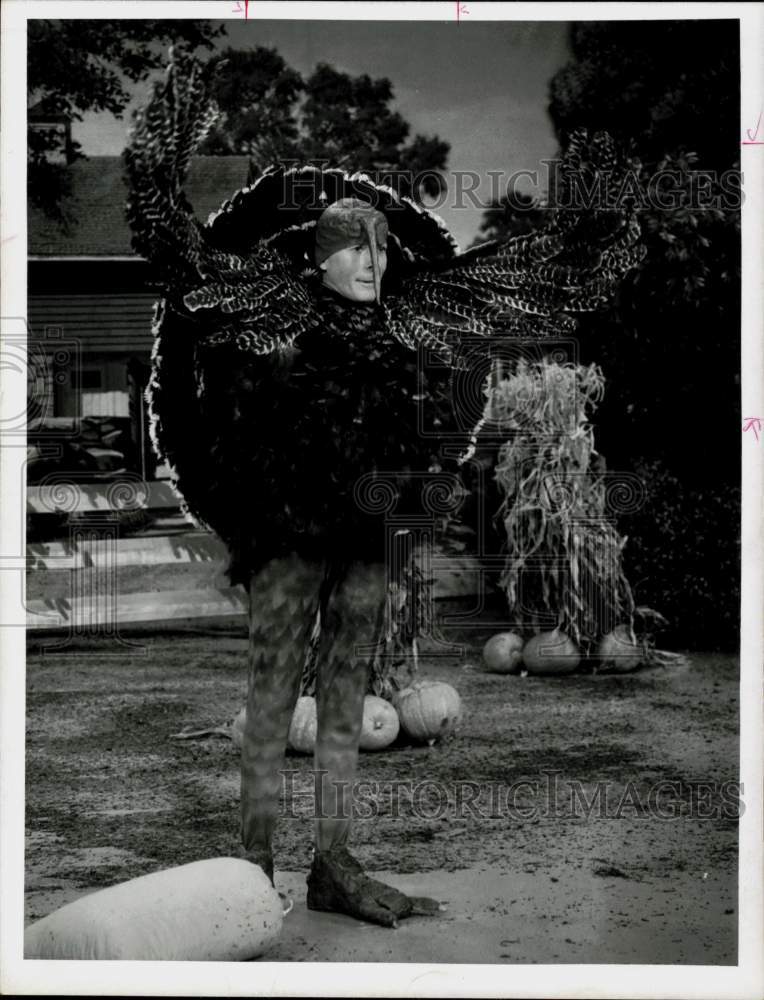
(514, 215)
(347, 120)
(670, 92)
(271, 114)
(257, 93)
(77, 66)
(666, 85)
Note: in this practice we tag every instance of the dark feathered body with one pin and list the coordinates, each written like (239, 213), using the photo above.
(274, 451)
(270, 397)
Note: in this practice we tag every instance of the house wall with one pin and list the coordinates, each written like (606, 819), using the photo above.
(89, 320)
(90, 340)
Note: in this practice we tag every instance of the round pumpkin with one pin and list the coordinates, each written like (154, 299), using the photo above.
(237, 730)
(617, 652)
(550, 653)
(502, 654)
(304, 725)
(302, 728)
(380, 723)
(428, 710)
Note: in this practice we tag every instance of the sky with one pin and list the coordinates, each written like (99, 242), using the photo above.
(481, 86)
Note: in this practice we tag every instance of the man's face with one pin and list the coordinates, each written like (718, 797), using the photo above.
(349, 272)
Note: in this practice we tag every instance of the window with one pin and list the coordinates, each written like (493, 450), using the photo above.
(91, 378)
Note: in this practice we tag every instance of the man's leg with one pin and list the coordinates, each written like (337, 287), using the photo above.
(352, 621)
(337, 881)
(283, 602)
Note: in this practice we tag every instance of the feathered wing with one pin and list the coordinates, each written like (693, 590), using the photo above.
(255, 299)
(532, 284)
(165, 135)
(217, 308)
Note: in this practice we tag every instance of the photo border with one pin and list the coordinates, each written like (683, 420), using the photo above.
(264, 978)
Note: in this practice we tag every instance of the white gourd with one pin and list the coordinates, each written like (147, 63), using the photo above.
(550, 653)
(302, 728)
(380, 723)
(237, 729)
(428, 710)
(217, 910)
(617, 652)
(502, 653)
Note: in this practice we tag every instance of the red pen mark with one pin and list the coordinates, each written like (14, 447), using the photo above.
(237, 9)
(752, 138)
(9, 238)
(753, 424)
(461, 10)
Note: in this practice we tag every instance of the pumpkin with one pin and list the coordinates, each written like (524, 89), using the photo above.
(550, 653)
(380, 723)
(218, 910)
(304, 725)
(502, 654)
(428, 710)
(618, 652)
(302, 728)
(237, 729)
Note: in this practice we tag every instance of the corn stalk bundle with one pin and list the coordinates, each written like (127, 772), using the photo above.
(394, 654)
(408, 615)
(564, 562)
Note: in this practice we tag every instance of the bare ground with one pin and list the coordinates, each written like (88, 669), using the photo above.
(527, 878)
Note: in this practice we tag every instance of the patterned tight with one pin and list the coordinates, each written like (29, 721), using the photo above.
(284, 597)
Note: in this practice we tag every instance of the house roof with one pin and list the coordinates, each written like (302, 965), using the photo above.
(96, 208)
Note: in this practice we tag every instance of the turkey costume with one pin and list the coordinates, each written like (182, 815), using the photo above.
(284, 393)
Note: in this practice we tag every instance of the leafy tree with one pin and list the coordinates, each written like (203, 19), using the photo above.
(271, 114)
(670, 92)
(423, 159)
(76, 66)
(666, 85)
(347, 120)
(514, 215)
(257, 93)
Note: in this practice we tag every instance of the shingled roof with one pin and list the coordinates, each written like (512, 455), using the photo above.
(97, 205)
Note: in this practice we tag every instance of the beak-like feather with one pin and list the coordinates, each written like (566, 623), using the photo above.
(371, 236)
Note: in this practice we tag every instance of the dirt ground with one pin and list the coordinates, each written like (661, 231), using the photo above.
(500, 833)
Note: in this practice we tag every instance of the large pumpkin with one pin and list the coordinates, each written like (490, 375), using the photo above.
(217, 910)
(502, 654)
(550, 653)
(304, 725)
(617, 652)
(380, 723)
(428, 710)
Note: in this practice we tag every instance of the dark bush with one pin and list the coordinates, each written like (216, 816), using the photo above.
(682, 557)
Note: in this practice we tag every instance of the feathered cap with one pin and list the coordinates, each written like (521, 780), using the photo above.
(346, 223)
(283, 207)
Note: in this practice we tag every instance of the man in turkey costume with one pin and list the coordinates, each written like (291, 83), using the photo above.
(286, 389)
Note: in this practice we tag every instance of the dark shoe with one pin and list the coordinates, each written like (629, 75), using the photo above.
(338, 883)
